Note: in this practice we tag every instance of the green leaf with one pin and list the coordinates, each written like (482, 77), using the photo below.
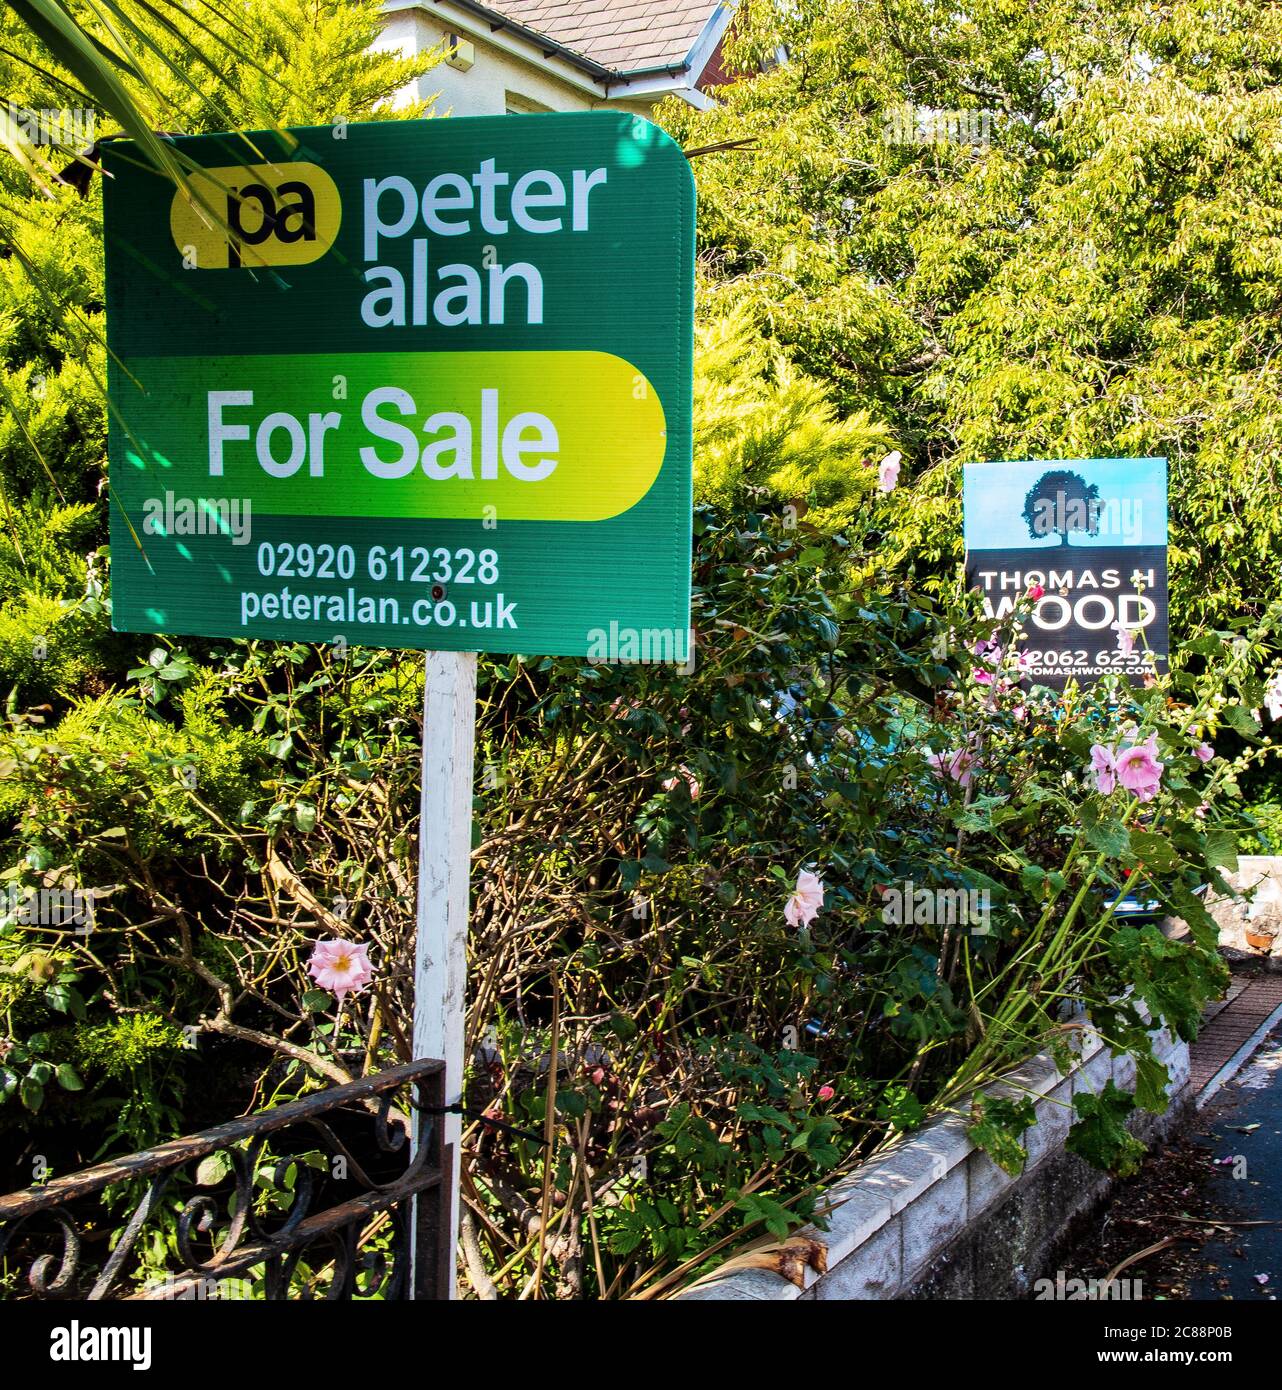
(1154, 851)
(1221, 849)
(69, 1078)
(318, 1001)
(1109, 837)
(1151, 1081)
(571, 1103)
(32, 1094)
(900, 1107)
(58, 997)
(213, 1168)
(1192, 911)
(999, 1130)
(1236, 717)
(778, 1219)
(64, 998)
(1100, 1135)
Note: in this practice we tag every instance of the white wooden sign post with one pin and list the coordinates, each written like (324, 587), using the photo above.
(444, 858)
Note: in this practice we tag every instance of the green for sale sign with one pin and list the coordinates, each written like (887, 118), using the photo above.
(407, 384)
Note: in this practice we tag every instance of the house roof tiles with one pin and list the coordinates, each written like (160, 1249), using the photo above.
(626, 35)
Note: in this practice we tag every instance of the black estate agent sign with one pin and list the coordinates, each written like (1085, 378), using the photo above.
(1092, 534)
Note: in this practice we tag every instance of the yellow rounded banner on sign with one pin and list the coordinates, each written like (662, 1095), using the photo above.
(509, 436)
(255, 215)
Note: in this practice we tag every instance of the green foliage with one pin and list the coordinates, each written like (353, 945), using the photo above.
(29, 1069)
(1176, 985)
(998, 1128)
(1100, 1135)
(1263, 813)
(1098, 275)
(125, 1044)
(47, 650)
(762, 427)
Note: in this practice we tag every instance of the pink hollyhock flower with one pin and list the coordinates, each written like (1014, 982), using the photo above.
(1273, 697)
(1138, 769)
(826, 1092)
(1104, 766)
(340, 967)
(1036, 591)
(983, 677)
(1020, 713)
(1125, 640)
(1204, 752)
(959, 765)
(691, 781)
(803, 907)
(888, 471)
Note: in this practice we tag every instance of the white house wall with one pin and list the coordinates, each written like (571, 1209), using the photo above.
(496, 76)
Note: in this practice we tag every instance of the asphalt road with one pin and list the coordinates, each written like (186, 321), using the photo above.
(1242, 1126)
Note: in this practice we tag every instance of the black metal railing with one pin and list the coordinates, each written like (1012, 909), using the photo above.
(298, 1202)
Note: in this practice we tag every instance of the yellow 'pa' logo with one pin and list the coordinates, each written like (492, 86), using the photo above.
(256, 215)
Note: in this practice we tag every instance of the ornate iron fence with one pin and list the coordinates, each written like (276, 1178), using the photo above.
(237, 1209)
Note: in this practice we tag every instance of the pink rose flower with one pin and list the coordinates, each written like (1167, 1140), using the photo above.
(1036, 591)
(1138, 769)
(826, 1092)
(1104, 766)
(340, 967)
(888, 471)
(1204, 752)
(1020, 713)
(803, 907)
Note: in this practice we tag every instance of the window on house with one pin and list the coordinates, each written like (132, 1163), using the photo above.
(517, 105)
